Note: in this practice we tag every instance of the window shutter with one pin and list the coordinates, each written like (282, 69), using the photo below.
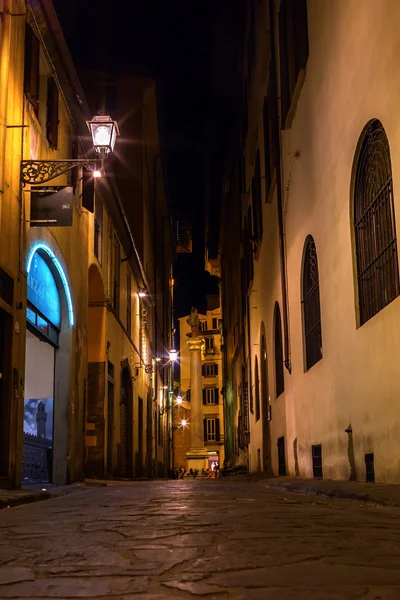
(204, 396)
(203, 370)
(216, 369)
(88, 190)
(31, 68)
(188, 396)
(205, 429)
(52, 113)
(216, 399)
(217, 435)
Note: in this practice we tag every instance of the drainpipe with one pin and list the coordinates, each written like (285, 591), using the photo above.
(281, 229)
(4, 81)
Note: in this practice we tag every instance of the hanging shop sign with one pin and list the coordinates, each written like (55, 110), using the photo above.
(51, 206)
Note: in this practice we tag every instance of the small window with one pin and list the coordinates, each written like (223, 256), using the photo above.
(211, 430)
(203, 326)
(215, 323)
(257, 390)
(369, 468)
(311, 305)
(129, 303)
(52, 113)
(374, 225)
(317, 461)
(209, 370)
(98, 228)
(279, 372)
(293, 50)
(210, 345)
(31, 68)
(270, 120)
(257, 199)
(210, 396)
(116, 275)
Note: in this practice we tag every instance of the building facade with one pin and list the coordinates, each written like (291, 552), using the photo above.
(79, 325)
(309, 187)
(211, 371)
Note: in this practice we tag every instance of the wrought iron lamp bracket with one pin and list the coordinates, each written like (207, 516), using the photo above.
(42, 171)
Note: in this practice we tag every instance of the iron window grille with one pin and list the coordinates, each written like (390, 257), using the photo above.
(279, 372)
(316, 451)
(374, 224)
(311, 305)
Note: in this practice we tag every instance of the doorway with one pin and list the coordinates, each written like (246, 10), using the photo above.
(38, 410)
(5, 389)
(126, 425)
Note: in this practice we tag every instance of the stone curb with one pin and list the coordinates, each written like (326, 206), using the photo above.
(23, 498)
(335, 492)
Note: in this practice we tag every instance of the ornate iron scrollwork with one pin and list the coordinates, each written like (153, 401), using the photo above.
(42, 171)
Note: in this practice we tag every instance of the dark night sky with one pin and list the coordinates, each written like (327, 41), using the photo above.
(168, 40)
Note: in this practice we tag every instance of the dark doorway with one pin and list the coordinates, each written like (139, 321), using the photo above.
(126, 421)
(317, 460)
(149, 436)
(281, 456)
(139, 456)
(5, 390)
(110, 427)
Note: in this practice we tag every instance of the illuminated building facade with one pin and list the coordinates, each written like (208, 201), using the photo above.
(308, 184)
(211, 371)
(79, 324)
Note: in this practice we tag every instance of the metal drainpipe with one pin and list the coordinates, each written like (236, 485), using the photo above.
(277, 145)
(4, 76)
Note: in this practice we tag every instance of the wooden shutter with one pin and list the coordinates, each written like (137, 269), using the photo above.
(216, 399)
(52, 113)
(31, 68)
(217, 434)
(203, 370)
(88, 190)
(204, 396)
(205, 429)
(215, 369)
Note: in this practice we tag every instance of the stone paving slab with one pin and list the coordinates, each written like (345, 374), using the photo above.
(191, 539)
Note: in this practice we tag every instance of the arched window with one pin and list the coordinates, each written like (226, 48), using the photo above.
(374, 224)
(311, 305)
(279, 374)
(257, 389)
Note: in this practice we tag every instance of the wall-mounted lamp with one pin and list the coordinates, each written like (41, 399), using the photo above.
(173, 355)
(141, 293)
(104, 133)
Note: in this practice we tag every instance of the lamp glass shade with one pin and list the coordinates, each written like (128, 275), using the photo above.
(104, 132)
(173, 355)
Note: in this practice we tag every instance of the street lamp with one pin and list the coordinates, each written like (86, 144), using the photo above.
(104, 132)
(173, 355)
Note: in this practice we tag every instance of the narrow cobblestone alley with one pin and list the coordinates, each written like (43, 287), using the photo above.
(187, 539)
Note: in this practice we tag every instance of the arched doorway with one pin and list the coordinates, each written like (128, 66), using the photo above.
(47, 386)
(95, 398)
(126, 425)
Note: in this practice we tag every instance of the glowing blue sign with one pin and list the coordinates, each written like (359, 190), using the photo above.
(30, 268)
(42, 290)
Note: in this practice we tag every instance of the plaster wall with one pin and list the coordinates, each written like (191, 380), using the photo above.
(351, 78)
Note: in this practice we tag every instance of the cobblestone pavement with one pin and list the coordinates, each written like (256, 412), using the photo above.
(188, 539)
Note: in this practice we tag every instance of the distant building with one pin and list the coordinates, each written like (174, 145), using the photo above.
(213, 410)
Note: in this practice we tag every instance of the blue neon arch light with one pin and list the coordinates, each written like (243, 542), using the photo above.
(60, 270)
